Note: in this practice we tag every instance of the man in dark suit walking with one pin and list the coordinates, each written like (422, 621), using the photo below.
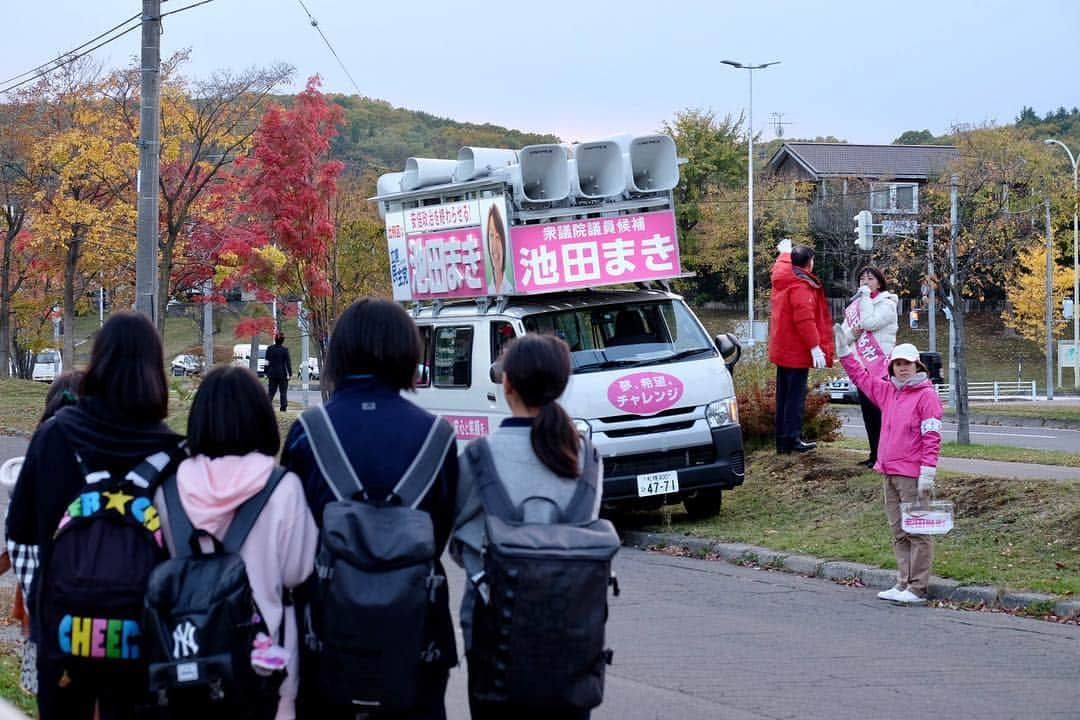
(278, 370)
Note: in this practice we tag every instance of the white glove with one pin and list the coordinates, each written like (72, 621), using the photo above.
(863, 291)
(841, 338)
(784, 246)
(817, 356)
(926, 480)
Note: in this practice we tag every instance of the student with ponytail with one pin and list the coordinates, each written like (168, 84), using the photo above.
(540, 459)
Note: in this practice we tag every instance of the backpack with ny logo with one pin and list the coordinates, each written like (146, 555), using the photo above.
(202, 621)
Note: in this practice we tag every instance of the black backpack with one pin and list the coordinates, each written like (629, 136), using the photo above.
(367, 620)
(91, 588)
(201, 618)
(538, 622)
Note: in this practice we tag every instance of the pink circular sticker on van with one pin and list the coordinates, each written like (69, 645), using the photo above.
(645, 393)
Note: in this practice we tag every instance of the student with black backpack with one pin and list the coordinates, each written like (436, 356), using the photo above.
(380, 475)
(537, 559)
(82, 532)
(222, 637)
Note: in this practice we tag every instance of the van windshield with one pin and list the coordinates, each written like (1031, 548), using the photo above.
(46, 358)
(625, 335)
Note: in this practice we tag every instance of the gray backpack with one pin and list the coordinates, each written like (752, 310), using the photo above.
(538, 624)
(367, 620)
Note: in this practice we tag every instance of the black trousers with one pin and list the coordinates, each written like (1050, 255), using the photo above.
(871, 417)
(72, 696)
(790, 404)
(279, 385)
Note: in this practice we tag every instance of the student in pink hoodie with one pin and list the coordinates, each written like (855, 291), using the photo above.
(233, 437)
(907, 452)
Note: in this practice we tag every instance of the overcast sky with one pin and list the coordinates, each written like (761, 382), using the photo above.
(861, 71)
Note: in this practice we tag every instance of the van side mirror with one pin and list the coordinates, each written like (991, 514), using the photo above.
(730, 350)
(495, 372)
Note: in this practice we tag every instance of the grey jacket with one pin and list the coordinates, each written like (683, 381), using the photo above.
(524, 476)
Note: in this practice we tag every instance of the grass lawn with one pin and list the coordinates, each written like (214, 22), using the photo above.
(1005, 453)
(1043, 410)
(10, 689)
(1012, 533)
(21, 404)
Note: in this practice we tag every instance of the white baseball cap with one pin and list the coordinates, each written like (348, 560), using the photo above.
(906, 351)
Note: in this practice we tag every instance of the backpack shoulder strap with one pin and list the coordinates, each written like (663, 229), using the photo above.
(493, 495)
(425, 467)
(179, 522)
(248, 512)
(330, 456)
(583, 500)
(145, 475)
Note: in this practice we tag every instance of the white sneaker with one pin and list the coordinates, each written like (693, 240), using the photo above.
(908, 598)
(890, 594)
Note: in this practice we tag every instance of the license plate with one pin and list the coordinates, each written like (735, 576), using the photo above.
(837, 395)
(659, 483)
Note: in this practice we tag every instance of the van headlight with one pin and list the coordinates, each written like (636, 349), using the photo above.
(583, 427)
(722, 412)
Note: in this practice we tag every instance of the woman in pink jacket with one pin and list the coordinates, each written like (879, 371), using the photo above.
(907, 452)
(233, 437)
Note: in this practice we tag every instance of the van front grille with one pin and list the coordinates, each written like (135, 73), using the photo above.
(659, 462)
(649, 429)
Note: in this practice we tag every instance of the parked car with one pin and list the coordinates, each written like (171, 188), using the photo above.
(186, 365)
(840, 389)
(48, 365)
(313, 371)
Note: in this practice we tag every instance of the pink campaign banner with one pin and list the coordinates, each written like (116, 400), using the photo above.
(446, 264)
(645, 393)
(597, 251)
(468, 427)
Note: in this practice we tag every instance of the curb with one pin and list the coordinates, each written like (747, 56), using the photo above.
(869, 575)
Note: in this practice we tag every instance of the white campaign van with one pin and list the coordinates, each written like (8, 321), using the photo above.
(242, 357)
(649, 387)
(554, 239)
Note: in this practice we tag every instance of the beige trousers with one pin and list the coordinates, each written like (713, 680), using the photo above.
(914, 553)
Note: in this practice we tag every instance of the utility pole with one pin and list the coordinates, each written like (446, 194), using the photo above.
(305, 368)
(1049, 306)
(931, 295)
(208, 326)
(954, 293)
(149, 138)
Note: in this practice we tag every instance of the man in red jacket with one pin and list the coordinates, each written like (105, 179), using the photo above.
(800, 337)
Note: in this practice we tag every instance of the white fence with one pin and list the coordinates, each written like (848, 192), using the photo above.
(995, 391)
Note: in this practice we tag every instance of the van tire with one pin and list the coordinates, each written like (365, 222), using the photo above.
(704, 503)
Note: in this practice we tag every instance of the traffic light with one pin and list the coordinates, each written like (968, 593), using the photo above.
(864, 233)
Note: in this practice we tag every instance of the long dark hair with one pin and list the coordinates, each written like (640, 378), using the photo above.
(538, 368)
(127, 370)
(375, 337)
(62, 392)
(232, 415)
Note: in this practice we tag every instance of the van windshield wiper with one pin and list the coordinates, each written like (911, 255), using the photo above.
(606, 365)
(685, 354)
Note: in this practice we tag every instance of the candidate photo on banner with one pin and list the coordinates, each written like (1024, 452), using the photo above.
(500, 263)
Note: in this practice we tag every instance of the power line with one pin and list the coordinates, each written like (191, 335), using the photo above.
(315, 24)
(67, 61)
(71, 51)
(186, 7)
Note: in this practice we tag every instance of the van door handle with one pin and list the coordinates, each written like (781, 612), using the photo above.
(491, 397)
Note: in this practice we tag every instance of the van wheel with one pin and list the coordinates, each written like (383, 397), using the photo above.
(704, 503)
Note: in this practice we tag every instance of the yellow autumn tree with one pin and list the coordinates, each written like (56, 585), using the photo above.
(1025, 291)
(83, 218)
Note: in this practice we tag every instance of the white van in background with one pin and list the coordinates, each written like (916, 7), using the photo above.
(649, 386)
(241, 354)
(48, 365)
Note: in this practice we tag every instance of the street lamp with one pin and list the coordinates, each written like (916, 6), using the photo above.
(750, 188)
(1076, 277)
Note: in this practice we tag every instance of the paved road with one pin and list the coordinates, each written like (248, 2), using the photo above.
(1038, 438)
(703, 640)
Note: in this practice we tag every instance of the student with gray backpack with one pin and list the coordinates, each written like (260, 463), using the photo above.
(221, 634)
(537, 559)
(380, 475)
